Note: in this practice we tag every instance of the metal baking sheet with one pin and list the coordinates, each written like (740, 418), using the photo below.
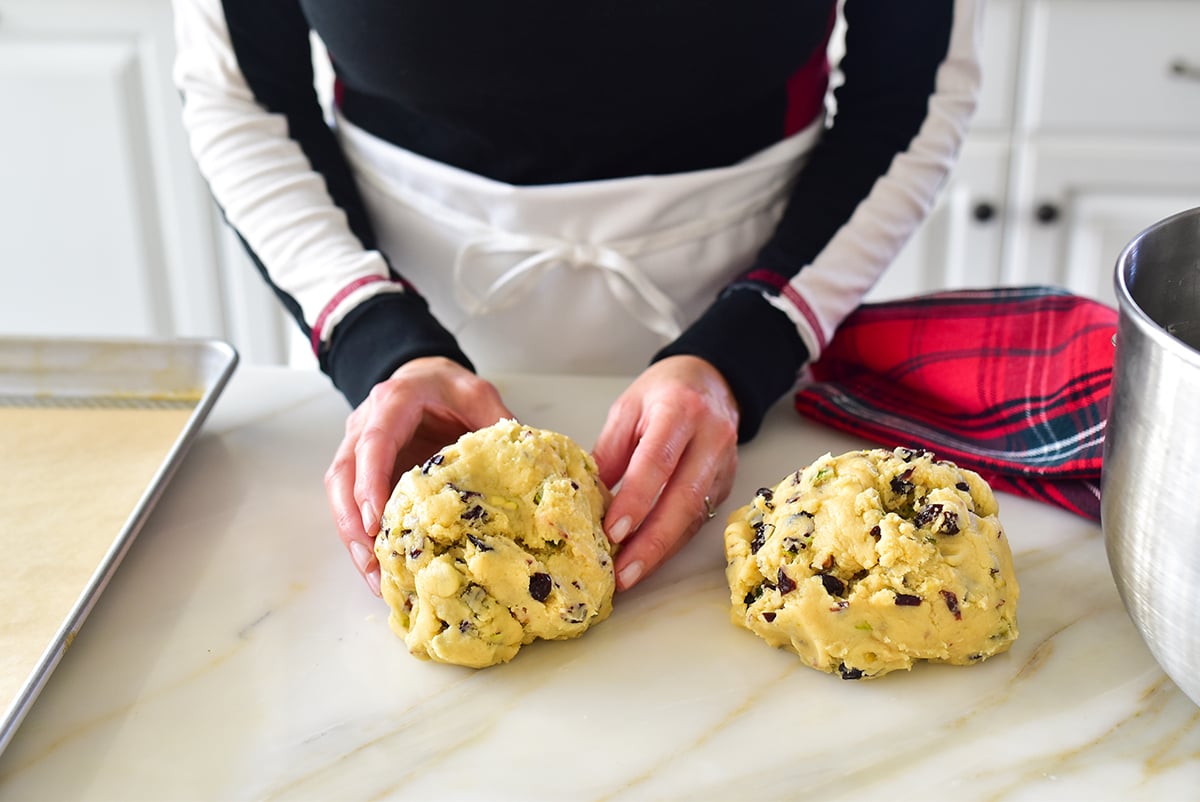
(108, 373)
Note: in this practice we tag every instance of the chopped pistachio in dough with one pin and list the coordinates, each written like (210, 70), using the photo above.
(866, 562)
(495, 542)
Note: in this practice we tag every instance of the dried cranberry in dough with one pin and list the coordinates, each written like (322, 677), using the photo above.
(870, 561)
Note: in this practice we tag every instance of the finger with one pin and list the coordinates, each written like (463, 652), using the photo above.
(339, 485)
(652, 464)
(391, 419)
(678, 514)
(702, 480)
(616, 442)
(339, 490)
(722, 485)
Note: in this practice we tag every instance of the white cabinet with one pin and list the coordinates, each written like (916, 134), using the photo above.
(105, 225)
(1111, 67)
(1092, 109)
(1107, 135)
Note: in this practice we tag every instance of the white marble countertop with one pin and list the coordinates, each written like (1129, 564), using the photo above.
(237, 655)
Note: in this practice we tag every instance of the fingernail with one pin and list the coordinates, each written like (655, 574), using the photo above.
(373, 582)
(630, 573)
(620, 530)
(370, 518)
(361, 556)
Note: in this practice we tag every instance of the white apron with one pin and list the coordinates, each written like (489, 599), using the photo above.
(589, 277)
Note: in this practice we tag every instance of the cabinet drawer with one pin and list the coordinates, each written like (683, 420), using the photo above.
(1113, 66)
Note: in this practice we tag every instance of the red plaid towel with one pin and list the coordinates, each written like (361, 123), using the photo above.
(1012, 383)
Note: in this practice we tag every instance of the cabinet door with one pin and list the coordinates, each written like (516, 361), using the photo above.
(106, 227)
(81, 246)
(1112, 67)
(959, 245)
(1101, 225)
(1082, 202)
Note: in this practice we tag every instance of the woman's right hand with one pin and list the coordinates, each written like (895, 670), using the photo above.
(426, 404)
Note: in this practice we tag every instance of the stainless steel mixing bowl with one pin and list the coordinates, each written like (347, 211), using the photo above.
(1150, 483)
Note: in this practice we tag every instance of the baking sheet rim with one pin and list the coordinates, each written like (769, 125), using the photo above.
(214, 378)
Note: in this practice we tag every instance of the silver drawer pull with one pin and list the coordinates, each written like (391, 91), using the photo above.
(1184, 69)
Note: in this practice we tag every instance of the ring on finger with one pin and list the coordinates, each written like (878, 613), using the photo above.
(709, 510)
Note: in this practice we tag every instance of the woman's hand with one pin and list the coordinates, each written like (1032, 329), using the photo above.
(426, 404)
(673, 430)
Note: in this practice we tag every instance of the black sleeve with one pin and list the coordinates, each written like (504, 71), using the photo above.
(910, 81)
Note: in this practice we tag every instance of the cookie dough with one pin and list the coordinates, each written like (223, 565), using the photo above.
(867, 562)
(494, 542)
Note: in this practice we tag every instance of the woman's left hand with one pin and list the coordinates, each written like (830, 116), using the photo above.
(671, 441)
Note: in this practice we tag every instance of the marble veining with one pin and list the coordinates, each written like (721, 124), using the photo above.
(236, 655)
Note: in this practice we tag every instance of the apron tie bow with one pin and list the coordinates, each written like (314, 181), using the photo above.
(637, 293)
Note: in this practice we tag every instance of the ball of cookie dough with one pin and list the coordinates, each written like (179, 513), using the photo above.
(494, 542)
(866, 562)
